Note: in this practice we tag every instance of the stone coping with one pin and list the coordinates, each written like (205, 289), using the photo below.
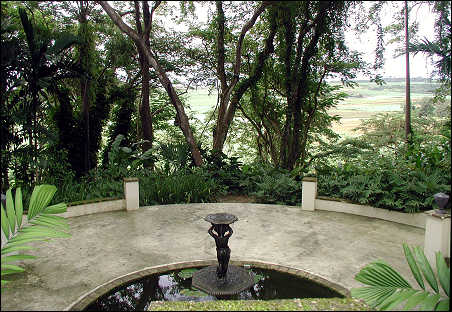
(343, 206)
(130, 179)
(92, 201)
(434, 213)
(92, 208)
(86, 299)
(309, 179)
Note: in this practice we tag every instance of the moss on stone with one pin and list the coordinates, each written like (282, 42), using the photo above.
(308, 304)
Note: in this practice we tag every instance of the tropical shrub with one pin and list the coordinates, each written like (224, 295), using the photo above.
(395, 175)
(279, 188)
(271, 185)
(383, 182)
(43, 225)
(224, 170)
(193, 186)
(387, 289)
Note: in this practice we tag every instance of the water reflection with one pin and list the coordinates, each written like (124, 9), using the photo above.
(173, 286)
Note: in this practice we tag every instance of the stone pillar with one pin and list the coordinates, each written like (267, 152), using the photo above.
(131, 193)
(309, 193)
(437, 235)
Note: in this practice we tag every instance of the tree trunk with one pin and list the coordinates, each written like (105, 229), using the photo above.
(85, 84)
(163, 78)
(146, 132)
(228, 106)
(299, 111)
(407, 81)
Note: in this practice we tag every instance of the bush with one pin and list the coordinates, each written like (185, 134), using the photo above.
(225, 171)
(182, 187)
(270, 185)
(396, 175)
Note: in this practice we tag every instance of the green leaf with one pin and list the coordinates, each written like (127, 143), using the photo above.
(426, 268)
(384, 294)
(443, 305)
(23, 241)
(186, 273)
(415, 300)
(443, 272)
(396, 299)
(10, 269)
(40, 198)
(373, 295)
(16, 257)
(58, 208)
(380, 274)
(258, 277)
(50, 222)
(8, 249)
(4, 221)
(413, 266)
(19, 207)
(39, 230)
(4, 283)
(10, 211)
(193, 293)
(430, 302)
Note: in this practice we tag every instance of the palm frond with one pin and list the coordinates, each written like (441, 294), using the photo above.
(42, 225)
(388, 289)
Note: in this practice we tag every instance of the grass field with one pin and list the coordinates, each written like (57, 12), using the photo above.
(363, 101)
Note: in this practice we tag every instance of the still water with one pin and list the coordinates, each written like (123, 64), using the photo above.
(176, 286)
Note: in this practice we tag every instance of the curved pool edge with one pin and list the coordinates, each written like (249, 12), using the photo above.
(83, 301)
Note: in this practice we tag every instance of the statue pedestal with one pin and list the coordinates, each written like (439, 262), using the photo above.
(237, 279)
(437, 235)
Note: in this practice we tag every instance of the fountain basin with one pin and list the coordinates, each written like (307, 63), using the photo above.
(130, 283)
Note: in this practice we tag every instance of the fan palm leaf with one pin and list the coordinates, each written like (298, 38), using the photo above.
(388, 289)
(42, 225)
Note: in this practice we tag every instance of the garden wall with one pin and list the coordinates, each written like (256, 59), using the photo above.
(310, 201)
(104, 206)
(329, 204)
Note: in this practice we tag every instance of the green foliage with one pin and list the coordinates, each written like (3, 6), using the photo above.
(392, 175)
(193, 293)
(181, 187)
(387, 289)
(278, 187)
(43, 225)
(224, 170)
(270, 185)
(187, 273)
(123, 99)
(383, 182)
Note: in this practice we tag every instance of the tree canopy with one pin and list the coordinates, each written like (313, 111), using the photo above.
(76, 74)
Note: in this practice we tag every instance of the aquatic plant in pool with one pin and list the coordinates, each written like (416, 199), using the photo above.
(176, 285)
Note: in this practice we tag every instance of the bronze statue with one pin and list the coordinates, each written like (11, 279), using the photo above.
(223, 232)
(222, 279)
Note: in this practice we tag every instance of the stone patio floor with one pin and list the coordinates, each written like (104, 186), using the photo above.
(107, 245)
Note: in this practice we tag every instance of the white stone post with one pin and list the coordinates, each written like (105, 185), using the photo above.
(437, 235)
(309, 193)
(131, 193)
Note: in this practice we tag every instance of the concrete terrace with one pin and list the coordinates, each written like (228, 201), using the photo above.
(107, 245)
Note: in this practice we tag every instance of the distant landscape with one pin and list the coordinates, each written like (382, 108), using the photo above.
(365, 100)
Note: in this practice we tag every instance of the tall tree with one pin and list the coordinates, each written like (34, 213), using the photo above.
(87, 94)
(408, 130)
(144, 32)
(288, 108)
(162, 76)
(228, 106)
